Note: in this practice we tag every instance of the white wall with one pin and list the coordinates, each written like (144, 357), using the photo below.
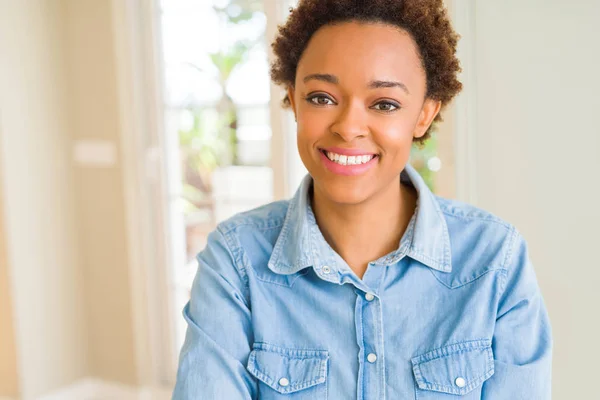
(93, 110)
(65, 255)
(537, 152)
(64, 223)
(9, 387)
(49, 320)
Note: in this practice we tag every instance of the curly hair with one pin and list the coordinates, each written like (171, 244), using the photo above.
(425, 20)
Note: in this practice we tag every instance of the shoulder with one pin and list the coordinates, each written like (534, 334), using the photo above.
(465, 220)
(237, 241)
(260, 219)
(254, 232)
(480, 242)
(470, 214)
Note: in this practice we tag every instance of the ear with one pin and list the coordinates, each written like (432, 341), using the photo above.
(290, 95)
(430, 109)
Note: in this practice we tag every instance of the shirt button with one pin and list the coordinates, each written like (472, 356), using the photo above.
(371, 358)
(369, 296)
(326, 269)
(460, 382)
(284, 382)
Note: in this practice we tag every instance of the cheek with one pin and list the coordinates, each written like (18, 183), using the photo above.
(310, 127)
(308, 132)
(394, 136)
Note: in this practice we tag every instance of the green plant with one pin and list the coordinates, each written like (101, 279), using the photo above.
(211, 139)
(200, 147)
(226, 61)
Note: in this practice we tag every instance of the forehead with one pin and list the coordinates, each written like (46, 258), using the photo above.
(358, 52)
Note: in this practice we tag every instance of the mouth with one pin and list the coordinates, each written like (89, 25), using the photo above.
(346, 160)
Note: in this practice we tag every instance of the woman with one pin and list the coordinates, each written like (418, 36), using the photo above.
(365, 285)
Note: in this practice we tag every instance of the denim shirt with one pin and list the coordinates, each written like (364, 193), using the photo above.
(455, 312)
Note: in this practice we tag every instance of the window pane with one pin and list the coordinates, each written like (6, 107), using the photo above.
(217, 112)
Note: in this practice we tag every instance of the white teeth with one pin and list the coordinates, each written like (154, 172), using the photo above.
(348, 160)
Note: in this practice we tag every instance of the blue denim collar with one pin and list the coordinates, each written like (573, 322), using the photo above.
(301, 244)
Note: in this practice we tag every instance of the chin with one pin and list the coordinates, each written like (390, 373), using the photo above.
(345, 193)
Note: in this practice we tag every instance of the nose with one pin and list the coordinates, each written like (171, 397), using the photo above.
(351, 122)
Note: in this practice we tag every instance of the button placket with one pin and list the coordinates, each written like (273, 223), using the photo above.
(369, 330)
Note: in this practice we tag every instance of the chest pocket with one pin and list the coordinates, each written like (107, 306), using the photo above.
(457, 369)
(286, 373)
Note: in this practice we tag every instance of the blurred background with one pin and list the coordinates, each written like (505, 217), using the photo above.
(129, 128)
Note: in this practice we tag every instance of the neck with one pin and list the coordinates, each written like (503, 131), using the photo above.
(361, 233)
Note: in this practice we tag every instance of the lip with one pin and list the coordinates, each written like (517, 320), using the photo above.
(349, 152)
(347, 170)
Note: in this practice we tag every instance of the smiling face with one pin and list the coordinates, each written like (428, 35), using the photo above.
(359, 100)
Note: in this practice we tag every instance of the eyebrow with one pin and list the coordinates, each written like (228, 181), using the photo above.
(372, 85)
(388, 84)
(322, 77)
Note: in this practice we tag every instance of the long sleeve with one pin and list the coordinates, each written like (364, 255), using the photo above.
(212, 362)
(522, 341)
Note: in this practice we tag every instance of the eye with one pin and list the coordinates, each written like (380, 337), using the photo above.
(320, 100)
(386, 106)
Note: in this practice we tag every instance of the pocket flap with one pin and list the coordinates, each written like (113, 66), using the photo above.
(456, 368)
(288, 370)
